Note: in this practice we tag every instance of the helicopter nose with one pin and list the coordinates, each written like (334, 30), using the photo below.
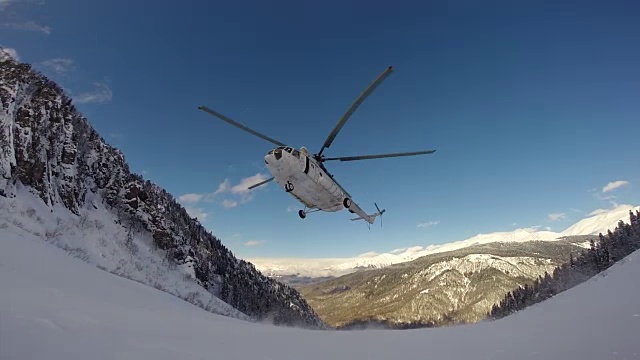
(272, 156)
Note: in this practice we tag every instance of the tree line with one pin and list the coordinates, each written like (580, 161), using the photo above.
(604, 251)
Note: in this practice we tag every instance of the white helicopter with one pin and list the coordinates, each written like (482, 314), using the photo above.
(304, 176)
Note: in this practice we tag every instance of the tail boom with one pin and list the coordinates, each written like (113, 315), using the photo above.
(370, 218)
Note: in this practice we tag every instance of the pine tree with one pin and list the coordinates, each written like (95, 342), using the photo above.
(602, 253)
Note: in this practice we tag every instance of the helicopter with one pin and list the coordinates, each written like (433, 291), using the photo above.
(304, 176)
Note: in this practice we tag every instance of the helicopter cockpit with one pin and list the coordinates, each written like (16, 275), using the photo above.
(277, 152)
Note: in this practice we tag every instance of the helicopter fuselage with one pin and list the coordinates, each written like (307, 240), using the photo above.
(303, 178)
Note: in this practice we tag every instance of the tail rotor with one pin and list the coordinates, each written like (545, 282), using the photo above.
(380, 212)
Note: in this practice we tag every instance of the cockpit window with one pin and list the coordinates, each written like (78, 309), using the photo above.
(288, 149)
(296, 153)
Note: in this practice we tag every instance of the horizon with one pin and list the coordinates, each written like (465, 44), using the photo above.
(533, 126)
(597, 221)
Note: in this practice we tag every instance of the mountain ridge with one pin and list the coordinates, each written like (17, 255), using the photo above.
(457, 286)
(49, 150)
(598, 221)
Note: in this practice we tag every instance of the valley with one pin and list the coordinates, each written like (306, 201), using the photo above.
(457, 286)
(439, 285)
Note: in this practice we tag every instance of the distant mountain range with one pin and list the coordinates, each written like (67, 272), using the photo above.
(304, 270)
(439, 285)
(437, 289)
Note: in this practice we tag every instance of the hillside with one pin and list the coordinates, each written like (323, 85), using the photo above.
(438, 289)
(61, 182)
(65, 309)
(602, 253)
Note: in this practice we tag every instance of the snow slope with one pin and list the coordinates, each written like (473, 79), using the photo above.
(97, 238)
(599, 221)
(54, 307)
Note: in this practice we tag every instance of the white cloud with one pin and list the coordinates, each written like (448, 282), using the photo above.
(229, 203)
(557, 216)
(8, 53)
(243, 187)
(223, 187)
(190, 198)
(429, 223)
(100, 94)
(254, 242)
(603, 197)
(368, 254)
(533, 228)
(29, 26)
(240, 189)
(614, 185)
(59, 65)
(198, 213)
(6, 3)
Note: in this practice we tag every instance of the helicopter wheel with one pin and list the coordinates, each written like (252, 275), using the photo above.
(302, 214)
(346, 202)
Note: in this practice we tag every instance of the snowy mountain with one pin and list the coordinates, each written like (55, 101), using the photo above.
(64, 308)
(437, 289)
(464, 284)
(599, 221)
(60, 182)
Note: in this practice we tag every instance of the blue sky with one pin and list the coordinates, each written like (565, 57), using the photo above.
(533, 108)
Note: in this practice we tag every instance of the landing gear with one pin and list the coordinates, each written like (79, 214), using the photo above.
(346, 202)
(303, 213)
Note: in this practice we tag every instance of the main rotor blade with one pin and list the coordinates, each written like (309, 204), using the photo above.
(354, 106)
(260, 183)
(237, 124)
(365, 157)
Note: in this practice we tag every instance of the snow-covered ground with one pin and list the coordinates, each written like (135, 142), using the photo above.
(98, 239)
(598, 221)
(53, 306)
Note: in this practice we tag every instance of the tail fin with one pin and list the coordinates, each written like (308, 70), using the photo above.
(372, 217)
